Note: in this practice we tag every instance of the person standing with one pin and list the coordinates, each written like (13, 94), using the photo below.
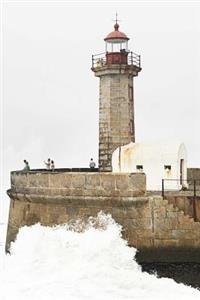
(48, 163)
(52, 166)
(92, 164)
(26, 166)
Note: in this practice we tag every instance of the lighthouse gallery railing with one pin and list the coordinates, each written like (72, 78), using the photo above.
(99, 60)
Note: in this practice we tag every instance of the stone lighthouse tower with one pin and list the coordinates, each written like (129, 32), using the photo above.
(116, 69)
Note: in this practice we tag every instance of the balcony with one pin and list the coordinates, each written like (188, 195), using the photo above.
(121, 58)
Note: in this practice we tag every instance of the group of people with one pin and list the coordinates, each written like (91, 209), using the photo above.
(51, 166)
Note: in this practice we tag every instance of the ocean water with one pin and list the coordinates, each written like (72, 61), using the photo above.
(81, 261)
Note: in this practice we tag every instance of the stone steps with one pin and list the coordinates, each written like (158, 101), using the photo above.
(172, 227)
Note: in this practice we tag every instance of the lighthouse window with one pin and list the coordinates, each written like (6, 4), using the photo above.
(130, 92)
(132, 126)
(167, 167)
(139, 168)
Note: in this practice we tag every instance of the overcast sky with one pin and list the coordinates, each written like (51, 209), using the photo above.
(50, 94)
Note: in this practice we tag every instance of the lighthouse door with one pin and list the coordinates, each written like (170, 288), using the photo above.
(181, 171)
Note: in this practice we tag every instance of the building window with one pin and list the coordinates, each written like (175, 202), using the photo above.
(167, 168)
(139, 168)
(132, 126)
(130, 93)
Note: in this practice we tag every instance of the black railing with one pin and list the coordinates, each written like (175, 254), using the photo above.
(189, 185)
(99, 60)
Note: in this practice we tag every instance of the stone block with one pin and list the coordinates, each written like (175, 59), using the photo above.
(186, 242)
(133, 224)
(66, 192)
(185, 223)
(180, 203)
(145, 243)
(19, 180)
(107, 182)
(62, 180)
(157, 201)
(38, 180)
(119, 212)
(164, 224)
(170, 207)
(133, 213)
(137, 212)
(72, 211)
(144, 233)
(183, 233)
(165, 243)
(62, 219)
(78, 181)
(92, 181)
(165, 202)
(31, 218)
(172, 214)
(121, 183)
(163, 234)
(160, 212)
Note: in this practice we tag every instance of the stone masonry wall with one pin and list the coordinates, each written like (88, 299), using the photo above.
(185, 200)
(116, 120)
(187, 204)
(158, 229)
(79, 184)
(116, 110)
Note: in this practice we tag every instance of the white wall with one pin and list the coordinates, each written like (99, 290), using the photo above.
(153, 158)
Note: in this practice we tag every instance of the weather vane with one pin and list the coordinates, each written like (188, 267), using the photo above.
(116, 18)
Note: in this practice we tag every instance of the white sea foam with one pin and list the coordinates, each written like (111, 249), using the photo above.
(66, 263)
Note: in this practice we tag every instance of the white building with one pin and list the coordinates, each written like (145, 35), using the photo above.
(157, 161)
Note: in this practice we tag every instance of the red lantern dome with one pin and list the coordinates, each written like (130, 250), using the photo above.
(116, 35)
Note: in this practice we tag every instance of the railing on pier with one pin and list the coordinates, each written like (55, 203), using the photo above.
(99, 60)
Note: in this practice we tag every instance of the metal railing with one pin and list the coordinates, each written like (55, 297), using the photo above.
(99, 60)
(173, 185)
(134, 59)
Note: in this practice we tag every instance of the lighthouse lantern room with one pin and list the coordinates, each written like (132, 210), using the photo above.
(116, 46)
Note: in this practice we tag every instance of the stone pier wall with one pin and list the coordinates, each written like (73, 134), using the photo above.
(160, 231)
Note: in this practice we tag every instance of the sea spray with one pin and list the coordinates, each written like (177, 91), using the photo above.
(81, 260)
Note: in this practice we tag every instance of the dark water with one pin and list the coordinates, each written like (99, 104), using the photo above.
(187, 273)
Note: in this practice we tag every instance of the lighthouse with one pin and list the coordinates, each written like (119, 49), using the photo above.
(116, 68)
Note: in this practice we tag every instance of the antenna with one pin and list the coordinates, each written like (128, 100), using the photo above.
(116, 18)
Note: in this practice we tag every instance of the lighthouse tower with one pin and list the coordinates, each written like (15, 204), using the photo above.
(116, 68)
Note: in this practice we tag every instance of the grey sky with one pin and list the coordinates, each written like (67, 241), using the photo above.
(50, 95)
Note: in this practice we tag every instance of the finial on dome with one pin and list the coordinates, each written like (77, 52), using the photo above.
(116, 34)
(116, 26)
